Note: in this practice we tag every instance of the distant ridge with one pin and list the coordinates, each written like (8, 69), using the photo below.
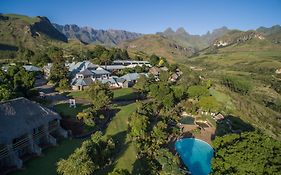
(16, 30)
(89, 35)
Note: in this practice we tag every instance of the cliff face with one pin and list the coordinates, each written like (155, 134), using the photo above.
(45, 26)
(90, 35)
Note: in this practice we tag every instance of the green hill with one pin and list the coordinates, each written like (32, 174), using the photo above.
(28, 32)
(252, 59)
(159, 45)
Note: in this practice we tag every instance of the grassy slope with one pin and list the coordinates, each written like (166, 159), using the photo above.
(155, 44)
(65, 111)
(255, 61)
(126, 151)
(118, 94)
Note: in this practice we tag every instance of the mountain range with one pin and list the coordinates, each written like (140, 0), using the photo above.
(89, 35)
(34, 32)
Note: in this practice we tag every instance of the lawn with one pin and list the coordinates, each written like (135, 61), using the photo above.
(118, 94)
(46, 165)
(223, 99)
(124, 94)
(126, 151)
(79, 95)
(65, 111)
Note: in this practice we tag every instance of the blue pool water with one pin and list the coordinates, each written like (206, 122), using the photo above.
(196, 155)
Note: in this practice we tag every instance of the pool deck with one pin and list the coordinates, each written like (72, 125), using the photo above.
(206, 134)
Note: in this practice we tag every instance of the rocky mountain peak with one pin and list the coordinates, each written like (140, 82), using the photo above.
(181, 31)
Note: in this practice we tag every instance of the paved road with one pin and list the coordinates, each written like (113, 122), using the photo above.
(52, 96)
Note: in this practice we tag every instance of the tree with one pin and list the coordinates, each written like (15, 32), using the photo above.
(20, 80)
(189, 78)
(154, 60)
(24, 54)
(163, 90)
(197, 91)
(237, 84)
(120, 172)
(173, 67)
(179, 92)
(138, 126)
(168, 162)
(246, 153)
(63, 84)
(93, 154)
(58, 71)
(159, 133)
(78, 163)
(164, 76)
(55, 53)
(168, 101)
(190, 106)
(5, 93)
(142, 84)
(40, 58)
(100, 95)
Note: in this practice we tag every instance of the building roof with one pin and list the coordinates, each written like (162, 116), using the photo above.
(121, 80)
(110, 80)
(113, 67)
(100, 71)
(154, 70)
(82, 81)
(85, 72)
(129, 62)
(81, 65)
(20, 116)
(31, 68)
(131, 76)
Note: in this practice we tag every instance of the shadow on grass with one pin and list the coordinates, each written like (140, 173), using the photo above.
(69, 112)
(128, 97)
(121, 146)
(123, 103)
(140, 167)
(231, 124)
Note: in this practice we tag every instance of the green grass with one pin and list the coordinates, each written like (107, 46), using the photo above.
(223, 99)
(118, 94)
(79, 95)
(124, 94)
(126, 151)
(119, 122)
(46, 165)
(27, 19)
(67, 112)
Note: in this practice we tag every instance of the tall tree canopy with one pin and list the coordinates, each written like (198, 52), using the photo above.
(248, 153)
(90, 157)
(100, 95)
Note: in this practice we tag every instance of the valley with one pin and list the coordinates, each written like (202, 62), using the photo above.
(104, 101)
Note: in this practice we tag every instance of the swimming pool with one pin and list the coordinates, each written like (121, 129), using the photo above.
(196, 155)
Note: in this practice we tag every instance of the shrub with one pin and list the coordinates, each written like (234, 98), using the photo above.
(237, 84)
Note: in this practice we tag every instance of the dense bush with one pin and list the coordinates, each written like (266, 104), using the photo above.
(93, 155)
(248, 153)
(237, 84)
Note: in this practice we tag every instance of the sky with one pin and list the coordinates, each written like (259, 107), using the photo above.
(151, 16)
